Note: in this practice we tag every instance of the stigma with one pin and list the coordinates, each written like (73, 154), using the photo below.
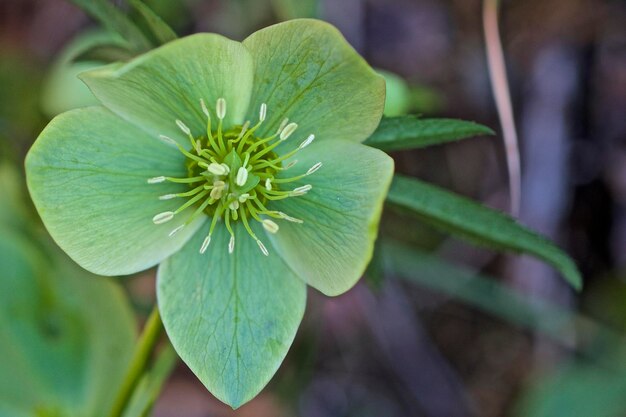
(232, 176)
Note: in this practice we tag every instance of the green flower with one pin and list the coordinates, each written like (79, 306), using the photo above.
(238, 168)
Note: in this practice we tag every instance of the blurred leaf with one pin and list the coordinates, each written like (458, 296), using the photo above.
(66, 336)
(294, 9)
(581, 390)
(407, 132)
(116, 21)
(150, 386)
(161, 30)
(398, 97)
(63, 90)
(485, 293)
(478, 224)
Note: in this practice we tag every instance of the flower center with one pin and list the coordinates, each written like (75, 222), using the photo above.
(232, 175)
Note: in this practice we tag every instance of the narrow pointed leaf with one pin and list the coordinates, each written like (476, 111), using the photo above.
(116, 21)
(478, 224)
(161, 30)
(409, 132)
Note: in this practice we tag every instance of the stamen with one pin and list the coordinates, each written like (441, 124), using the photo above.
(156, 180)
(288, 130)
(268, 184)
(262, 247)
(282, 125)
(231, 245)
(216, 193)
(307, 141)
(301, 190)
(314, 168)
(218, 169)
(234, 205)
(220, 108)
(244, 197)
(178, 229)
(270, 226)
(242, 176)
(205, 110)
(262, 112)
(289, 218)
(167, 197)
(167, 140)
(183, 127)
(205, 244)
(164, 217)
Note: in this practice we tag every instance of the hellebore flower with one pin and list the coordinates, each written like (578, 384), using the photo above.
(238, 168)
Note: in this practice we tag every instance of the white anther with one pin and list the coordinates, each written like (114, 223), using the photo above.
(244, 128)
(216, 193)
(268, 184)
(242, 176)
(205, 244)
(156, 180)
(231, 244)
(243, 197)
(234, 205)
(289, 218)
(219, 184)
(290, 164)
(167, 197)
(183, 127)
(288, 130)
(220, 108)
(226, 167)
(270, 226)
(217, 169)
(262, 247)
(307, 141)
(282, 125)
(301, 190)
(164, 217)
(167, 140)
(263, 112)
(178, 229)
(314, 168)
(205, 110)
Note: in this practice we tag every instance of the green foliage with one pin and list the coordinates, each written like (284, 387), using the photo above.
(408, 132)
(115, 21)
(477, 223)
(161, 31)
(66, 335)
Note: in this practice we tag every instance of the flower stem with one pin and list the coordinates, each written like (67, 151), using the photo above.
(143, 350)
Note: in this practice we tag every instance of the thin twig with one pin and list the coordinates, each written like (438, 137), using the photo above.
(502, 96)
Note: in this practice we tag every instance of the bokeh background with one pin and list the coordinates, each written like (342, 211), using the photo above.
(404, 344)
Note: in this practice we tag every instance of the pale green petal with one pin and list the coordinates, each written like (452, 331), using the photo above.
(306, 71)
(333, 246)
(231, 318)
(87, 175)
(167, 83)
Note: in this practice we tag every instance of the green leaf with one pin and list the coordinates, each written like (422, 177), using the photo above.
(166, 84)
(332, 247)
(161, 30)
(67, 336)
(116, 21)
(230, 317)
(477, 223)
(408, 132)
(63, 90)
(87, 175)
(306, 71)
(580, 390)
